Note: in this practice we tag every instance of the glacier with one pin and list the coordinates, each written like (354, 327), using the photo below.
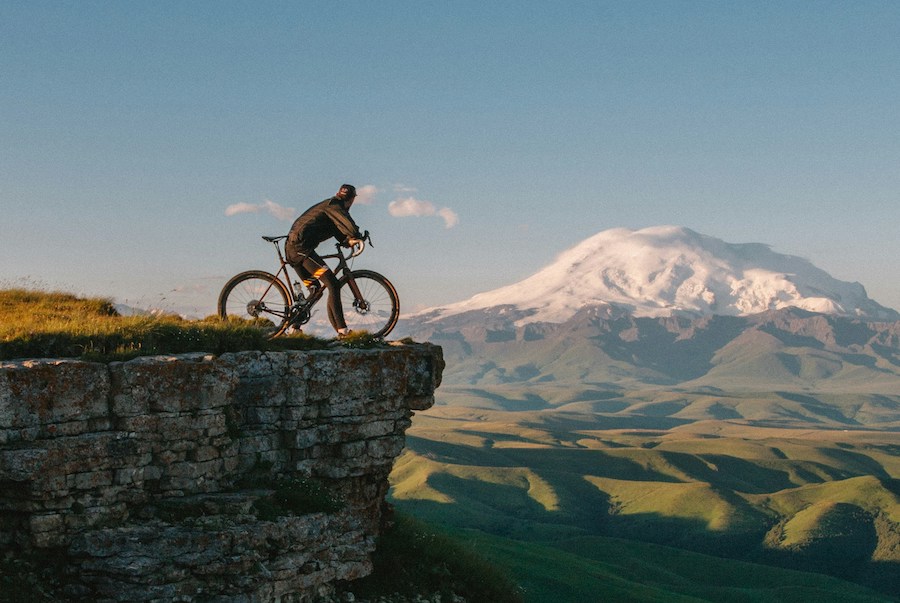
(672, 270)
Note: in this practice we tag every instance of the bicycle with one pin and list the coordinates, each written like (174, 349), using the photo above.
(277, 304)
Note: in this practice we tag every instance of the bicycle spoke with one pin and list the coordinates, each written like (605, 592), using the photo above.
(377, 308)
(258, 297)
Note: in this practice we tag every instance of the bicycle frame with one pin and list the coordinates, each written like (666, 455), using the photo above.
(257, 294)
(284, 264)
(342, 269)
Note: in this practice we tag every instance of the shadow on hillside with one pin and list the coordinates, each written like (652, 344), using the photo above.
(731, 472)
(817, 408)
(886, 352)
(551, 500)
(566, 422)
(858, 464)
(843, 558)
(505, 511)
(456, 454)
(672, 347)
(527, 402)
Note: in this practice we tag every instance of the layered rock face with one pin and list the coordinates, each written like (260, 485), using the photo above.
(254, 476)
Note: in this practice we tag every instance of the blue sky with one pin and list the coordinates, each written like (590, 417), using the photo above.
(146, 146)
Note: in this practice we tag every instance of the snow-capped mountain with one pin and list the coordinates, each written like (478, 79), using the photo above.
(671, 270)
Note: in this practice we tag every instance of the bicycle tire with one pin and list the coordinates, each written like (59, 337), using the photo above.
(257, 296)
(379, 309)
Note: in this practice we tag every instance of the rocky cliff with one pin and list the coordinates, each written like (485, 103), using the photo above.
(254, 476)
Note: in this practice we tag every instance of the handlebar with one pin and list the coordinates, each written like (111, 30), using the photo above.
(360, 247)
(357, 249)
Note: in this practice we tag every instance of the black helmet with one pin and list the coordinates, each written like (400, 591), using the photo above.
(351, 190)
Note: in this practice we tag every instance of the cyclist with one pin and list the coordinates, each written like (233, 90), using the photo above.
(324, 220)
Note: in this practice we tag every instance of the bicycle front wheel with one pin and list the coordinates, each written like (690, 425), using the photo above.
(377, 306)
(259, 297)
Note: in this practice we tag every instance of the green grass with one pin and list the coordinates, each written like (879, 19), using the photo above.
(610, 569)
(797, 498)
(36, 324)
(412, 558)
(586, 568)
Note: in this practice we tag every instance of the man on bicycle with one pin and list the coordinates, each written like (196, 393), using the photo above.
(322, 221)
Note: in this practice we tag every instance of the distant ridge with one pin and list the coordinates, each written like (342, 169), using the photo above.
(665, 386)
(671, 270)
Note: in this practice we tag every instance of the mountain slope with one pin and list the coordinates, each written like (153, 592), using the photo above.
(668, 270)
(783, 350)
(668, 387)
(668, 307)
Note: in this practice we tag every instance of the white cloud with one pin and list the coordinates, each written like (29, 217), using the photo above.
(412, 207)
(365, 194)
(449, 216)
(241, 208)
(280, 212)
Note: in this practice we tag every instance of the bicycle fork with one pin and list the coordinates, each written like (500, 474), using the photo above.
(359, 301)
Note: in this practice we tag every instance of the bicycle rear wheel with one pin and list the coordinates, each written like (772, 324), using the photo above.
(378, 308)
(259, 297)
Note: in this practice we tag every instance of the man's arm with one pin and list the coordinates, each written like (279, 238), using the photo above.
(341, 219)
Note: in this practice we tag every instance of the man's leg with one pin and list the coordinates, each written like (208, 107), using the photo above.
(307, 268)
(318, 270)
(304, 274)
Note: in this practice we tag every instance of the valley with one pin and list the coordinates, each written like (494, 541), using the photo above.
(662, 468)
(657, 400)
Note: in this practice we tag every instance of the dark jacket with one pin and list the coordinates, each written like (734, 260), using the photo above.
(317, 224)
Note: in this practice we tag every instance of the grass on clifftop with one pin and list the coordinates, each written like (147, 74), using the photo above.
(35, 324)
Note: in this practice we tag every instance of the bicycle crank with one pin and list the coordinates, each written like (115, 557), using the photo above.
(301, 317)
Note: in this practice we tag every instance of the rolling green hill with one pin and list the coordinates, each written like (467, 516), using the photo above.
(768, 439)
(805, 497)
(597, 568)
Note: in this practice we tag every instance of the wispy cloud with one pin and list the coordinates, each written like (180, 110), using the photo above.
(411, 207)
(279, 211)
(449, 216)
(366, 194)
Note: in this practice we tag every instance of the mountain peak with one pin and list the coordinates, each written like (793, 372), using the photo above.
(666, 270)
